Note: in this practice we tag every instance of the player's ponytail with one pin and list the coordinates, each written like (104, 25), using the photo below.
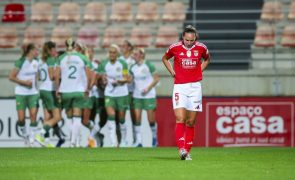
(70, 43)
(27, 48)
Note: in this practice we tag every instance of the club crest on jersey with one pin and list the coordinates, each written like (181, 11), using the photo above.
(188, 53)
(196, 53)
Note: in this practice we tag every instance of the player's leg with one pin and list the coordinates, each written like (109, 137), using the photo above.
(137, 106)
(194, 106)
(33, 105)
(111, 112)
(78, 105)
(121, 106)
(91, 120)
(21, 113)
(150, 106)
(132, 114)
(95, 132)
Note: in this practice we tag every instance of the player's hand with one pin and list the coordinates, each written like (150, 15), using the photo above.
(145, 91)
(57, 94)
(86, 93)
(173, 74)
(115, 83)
(29, 83)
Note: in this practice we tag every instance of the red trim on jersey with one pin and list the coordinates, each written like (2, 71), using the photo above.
(187, 61)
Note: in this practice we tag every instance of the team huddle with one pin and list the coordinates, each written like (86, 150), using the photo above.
(73, 81)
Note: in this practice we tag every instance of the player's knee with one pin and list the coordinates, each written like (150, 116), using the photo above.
(190, 123)
(180, 119)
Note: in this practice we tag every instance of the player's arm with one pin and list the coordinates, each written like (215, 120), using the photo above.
(51, 68)
(89, 76)
(13, 78)
(57, 80)
(167, 64)
(155, 81)
(206, 61)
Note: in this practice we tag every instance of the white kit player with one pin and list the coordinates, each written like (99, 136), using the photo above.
(73, 69)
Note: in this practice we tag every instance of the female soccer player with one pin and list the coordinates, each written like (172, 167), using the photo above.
(51, 105)
(145, 78)
(73, 69)
(24, 74)
(116, 93)
(190, 59)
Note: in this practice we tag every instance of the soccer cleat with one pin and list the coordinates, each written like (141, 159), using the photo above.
(188, 157)
(60, 142)
(91, 143)
(155, 142)
(123, 144)
(183, 154)
(49, 145)
(40, 139)
(99, 139)
(137, 144)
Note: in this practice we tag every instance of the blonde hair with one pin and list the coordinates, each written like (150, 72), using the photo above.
(70, 43)
(116, 47)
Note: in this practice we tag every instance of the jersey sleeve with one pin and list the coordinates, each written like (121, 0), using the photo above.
(101, 67)
(125, 67)
(50, 62)
(206, 52)
(131, 71)
(18, 64)
(151, 67)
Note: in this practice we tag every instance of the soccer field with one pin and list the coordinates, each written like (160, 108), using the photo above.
(147, 163)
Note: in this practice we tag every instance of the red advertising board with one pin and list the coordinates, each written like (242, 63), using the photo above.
(235, 121)
(249, 123)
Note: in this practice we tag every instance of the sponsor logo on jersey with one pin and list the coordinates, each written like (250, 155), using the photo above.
(188, 63)
(181, 54)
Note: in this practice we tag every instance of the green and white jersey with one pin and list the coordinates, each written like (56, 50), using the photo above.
(94, 90)
(143, 77)
(46, 83)
(114, 72)
(28, 70)
(73, 72)
(130, 61)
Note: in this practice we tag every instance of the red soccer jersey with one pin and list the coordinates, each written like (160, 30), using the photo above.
(187, 62)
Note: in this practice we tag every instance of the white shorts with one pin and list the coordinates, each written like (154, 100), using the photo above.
(188, 96)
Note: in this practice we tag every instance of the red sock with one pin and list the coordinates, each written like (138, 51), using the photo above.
(179, 135)
(189, 137)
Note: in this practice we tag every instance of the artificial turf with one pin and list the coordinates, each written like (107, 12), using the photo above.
(146, 163)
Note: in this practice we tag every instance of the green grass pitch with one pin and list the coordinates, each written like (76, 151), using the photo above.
(146, 163)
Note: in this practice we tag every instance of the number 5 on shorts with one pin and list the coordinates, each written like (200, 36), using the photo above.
(176, 96)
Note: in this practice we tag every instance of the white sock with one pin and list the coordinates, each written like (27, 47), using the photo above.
(154, 130)
(123, 130)
(112, 132)
(33, 131)
(137, 131)
(94, 130)
(76, 130)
